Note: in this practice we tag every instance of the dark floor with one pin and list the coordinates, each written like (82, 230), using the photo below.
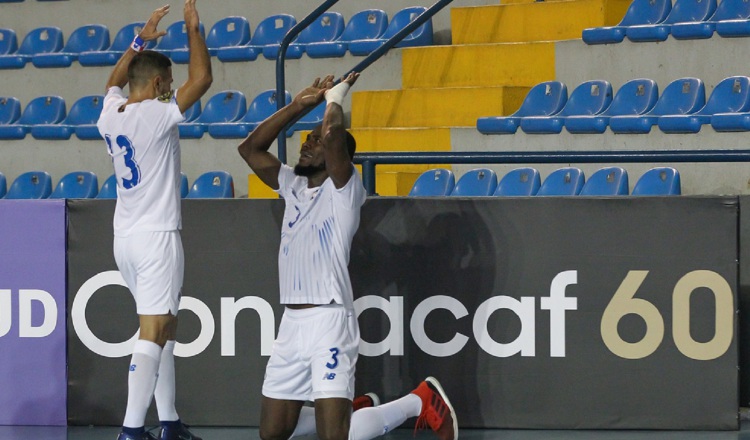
(110, 433)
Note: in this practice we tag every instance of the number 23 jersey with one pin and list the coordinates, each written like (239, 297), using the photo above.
(143, 140)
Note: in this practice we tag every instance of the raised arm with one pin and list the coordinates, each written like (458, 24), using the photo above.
(254, 149)
(119, 75)
(199, 68)
(338, 161)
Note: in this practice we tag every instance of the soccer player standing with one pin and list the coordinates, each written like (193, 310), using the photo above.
(142, 137)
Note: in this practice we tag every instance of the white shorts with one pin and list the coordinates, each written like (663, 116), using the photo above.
(153, 265)
(314, 356)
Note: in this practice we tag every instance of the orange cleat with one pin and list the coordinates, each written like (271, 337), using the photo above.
(437, 411)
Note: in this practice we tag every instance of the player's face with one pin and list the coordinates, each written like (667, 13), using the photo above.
(311, 158)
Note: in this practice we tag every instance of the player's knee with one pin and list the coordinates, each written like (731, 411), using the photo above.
(274, 432)
(339, 431)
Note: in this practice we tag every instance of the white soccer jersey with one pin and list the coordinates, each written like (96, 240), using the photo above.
(143, 140)
(316, 237)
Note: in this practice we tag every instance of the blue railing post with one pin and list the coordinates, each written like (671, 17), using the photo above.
(280, 80)
(371, 58)
(368, 176)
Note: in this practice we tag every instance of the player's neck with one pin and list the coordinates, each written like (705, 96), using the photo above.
(316, 180)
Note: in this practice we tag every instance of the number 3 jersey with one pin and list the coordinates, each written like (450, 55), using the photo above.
(143, 140)
(316, 238)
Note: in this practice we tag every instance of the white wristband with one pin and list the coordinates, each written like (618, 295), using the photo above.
(337, 93)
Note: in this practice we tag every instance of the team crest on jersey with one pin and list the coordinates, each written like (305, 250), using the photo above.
(166, 97)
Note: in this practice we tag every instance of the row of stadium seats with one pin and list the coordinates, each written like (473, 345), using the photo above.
(636, 108)
(655, 20)
(85, 185)
(229, 39)
(226, 115)
(568, 181)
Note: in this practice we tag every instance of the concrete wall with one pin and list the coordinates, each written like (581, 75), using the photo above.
(710, 60)
(59, 158)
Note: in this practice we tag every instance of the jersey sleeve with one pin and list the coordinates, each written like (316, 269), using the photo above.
(286, 177)
(175, 115)
(114, 97)
(353, 194)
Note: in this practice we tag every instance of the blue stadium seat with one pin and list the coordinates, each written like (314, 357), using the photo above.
(422, 36)
(309, 121)
(41, 110)
(735, 21)
(184, 187)
(326, 28)
(8, 41)
(39, 40)
(10, 110)
(31, 185)
(608, 181)
(108, 189)
(270, 30)
(563, 182)
(226, 106)
(11, 1)
(212, 185)
(477, 182)
(435, 182)
(684, 11)
(81, 120)
(261, 107)
(91, 37)
(76, 185)
(364, 25)
(519, 182)
(193, 112)
(3, 186)
(227, 32)
(738, 10)
(121, 42)
(660, 181)
(640, 12)
(544, 99)
(589, 98)
(731, 95)
(681, 97)
(176, 38)
(635, 97)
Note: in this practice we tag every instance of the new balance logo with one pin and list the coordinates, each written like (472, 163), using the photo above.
(329, 376)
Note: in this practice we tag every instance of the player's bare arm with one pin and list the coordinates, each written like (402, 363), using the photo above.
(199, 68)
(254, 149)
(338, 162)
(119, 75)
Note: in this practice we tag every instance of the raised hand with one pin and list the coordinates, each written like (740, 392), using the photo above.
(351, 78)
(149, 32)
(313, 95)
(191, 14)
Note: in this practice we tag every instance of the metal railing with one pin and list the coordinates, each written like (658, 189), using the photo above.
(370, 160)
(371, 58)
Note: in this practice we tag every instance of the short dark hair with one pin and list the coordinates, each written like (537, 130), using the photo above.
(145, 65)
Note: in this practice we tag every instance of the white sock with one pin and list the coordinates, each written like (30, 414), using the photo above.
(369, 423)
(306, 422)
(144, 366)
(165, 388)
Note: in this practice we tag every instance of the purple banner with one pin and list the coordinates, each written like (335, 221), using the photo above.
(32, 312)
